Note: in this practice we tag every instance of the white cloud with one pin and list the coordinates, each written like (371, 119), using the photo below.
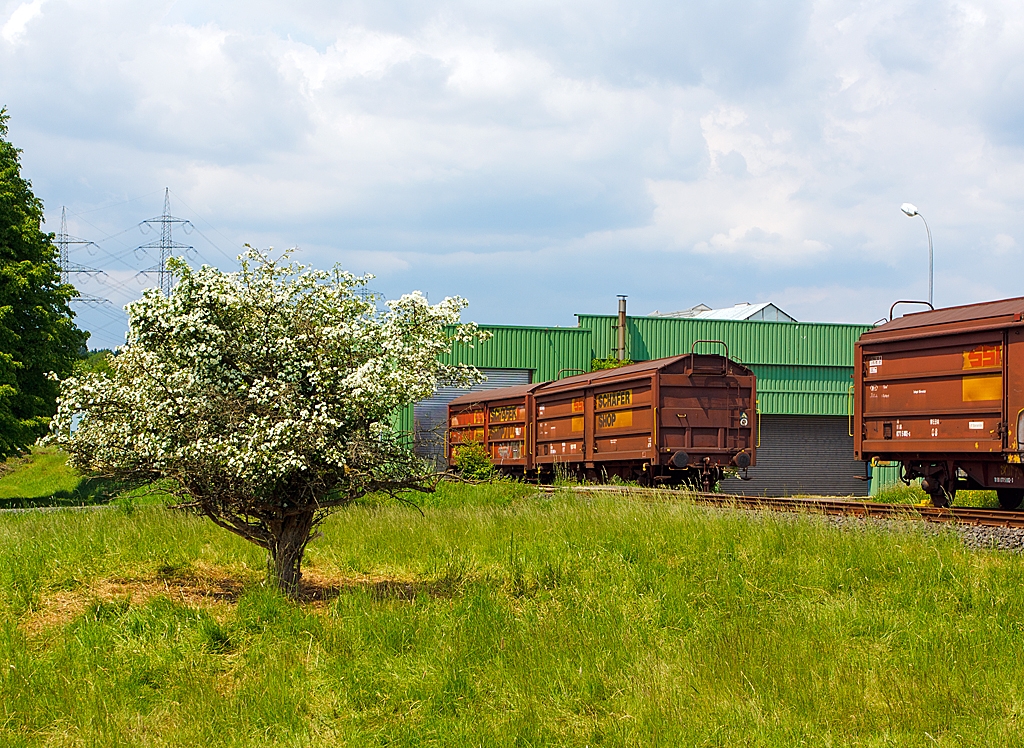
(18, 21)
(764, 152)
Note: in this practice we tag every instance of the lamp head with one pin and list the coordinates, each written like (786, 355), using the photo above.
(909, 209)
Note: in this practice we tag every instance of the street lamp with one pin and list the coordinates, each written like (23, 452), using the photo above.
(912, 211)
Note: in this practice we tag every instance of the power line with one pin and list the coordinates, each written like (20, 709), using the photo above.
(215, 229)
(123, 202)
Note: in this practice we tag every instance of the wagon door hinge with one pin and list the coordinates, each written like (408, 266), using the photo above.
(1001, 429)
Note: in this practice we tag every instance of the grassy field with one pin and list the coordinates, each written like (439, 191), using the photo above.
(44, 479)
(506, 618)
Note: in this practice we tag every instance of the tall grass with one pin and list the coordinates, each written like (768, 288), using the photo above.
(506, 618)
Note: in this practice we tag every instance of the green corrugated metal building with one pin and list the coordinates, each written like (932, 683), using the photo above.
(804, 373)
(802, 368)
(546, 351)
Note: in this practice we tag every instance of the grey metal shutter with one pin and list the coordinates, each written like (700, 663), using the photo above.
(430, 416)
(803, 455)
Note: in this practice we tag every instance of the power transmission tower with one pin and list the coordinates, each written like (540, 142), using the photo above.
(64, 242)
(166, 244)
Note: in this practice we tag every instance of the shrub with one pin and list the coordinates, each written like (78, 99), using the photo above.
(473, 462)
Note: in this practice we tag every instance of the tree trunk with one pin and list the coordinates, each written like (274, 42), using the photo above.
(291, 535)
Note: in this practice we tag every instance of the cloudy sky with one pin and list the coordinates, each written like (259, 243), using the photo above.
(538, 158)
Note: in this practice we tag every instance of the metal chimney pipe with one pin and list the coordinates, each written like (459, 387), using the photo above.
(622, 328)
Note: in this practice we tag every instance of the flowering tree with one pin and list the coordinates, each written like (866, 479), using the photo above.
(264, 397)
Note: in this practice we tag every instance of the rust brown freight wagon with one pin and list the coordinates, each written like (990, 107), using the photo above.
(679, 419)
(942, 392)
(499, 420)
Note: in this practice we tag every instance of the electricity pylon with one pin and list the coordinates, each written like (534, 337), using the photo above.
(166, 244)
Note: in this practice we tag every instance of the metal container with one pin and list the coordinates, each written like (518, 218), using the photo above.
(942, 392)
(684, 418)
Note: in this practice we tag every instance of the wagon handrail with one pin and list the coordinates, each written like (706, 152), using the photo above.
(559, 374)
(693, 345)
(725, 364)
(757, 410)
(849, 409)
(908, 301)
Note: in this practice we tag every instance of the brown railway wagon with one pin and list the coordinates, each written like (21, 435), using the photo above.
(497, 419)
(942, 392)
(684, 418)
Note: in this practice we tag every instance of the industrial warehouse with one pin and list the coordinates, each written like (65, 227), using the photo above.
(804, 376)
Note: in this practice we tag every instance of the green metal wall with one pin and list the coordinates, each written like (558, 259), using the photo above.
(883, 476)
(802, 368)
(803, 390)
(794, 343)
(402, 421)
(545, 350)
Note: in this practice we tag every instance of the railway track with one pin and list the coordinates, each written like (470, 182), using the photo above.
(823, 505)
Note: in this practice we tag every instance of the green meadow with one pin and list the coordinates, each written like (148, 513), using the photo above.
(503, 617)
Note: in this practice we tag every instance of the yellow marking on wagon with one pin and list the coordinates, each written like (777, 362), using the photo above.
(613, 399)
(984, 357)
(982, 387)
(615, 419)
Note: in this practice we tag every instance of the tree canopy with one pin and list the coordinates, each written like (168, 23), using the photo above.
(264, 398)
(37, 330)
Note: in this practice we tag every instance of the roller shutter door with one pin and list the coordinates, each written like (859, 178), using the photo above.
(430, 416)
(803, 455)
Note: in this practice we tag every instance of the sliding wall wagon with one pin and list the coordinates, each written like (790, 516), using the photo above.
(682, 418)
(942, 393)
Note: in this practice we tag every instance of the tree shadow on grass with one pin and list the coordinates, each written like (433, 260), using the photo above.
(323, 590)
(88, 492)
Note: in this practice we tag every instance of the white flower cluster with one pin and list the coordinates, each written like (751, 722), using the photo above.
(257, 376)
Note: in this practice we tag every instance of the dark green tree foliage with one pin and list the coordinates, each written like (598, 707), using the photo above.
(37, 332)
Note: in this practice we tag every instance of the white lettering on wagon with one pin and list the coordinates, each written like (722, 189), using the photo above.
(976, 425)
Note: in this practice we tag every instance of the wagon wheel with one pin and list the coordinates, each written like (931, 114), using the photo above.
(1010, 498)
(939, 488)
(943, 497)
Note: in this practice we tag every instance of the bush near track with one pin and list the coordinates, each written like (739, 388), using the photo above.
(501, 617)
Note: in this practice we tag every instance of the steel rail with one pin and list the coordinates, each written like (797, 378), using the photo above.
(820, 505)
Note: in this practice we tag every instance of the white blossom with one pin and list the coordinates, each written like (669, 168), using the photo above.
(257, 375)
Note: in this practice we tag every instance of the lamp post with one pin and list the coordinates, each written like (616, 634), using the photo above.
(912, 211)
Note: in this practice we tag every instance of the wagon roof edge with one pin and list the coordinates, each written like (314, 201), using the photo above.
(980, 312)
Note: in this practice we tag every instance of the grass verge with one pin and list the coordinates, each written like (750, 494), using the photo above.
(506, 618)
